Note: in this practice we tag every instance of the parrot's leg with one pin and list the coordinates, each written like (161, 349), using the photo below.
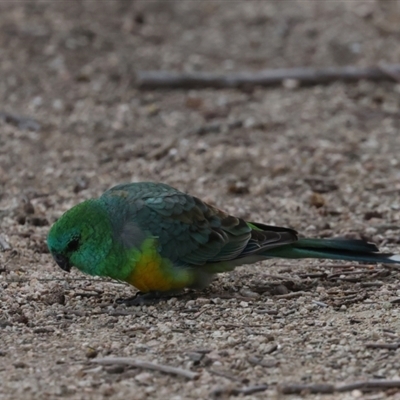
(149, 298)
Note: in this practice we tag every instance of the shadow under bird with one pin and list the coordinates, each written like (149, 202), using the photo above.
(161, 240)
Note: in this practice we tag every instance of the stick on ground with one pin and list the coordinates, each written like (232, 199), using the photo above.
(229, 391)
(373, 384)
(146, 365)
(268, 77)
(327, 388)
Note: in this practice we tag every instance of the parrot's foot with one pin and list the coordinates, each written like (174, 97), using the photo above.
(148, 299)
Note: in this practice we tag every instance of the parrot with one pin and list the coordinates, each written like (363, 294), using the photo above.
(161, 240)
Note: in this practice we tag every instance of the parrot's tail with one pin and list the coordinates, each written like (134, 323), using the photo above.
(333, 249)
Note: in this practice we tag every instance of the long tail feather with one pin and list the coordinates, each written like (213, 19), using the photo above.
(333, 249)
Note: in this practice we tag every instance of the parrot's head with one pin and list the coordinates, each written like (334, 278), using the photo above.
(81, 238)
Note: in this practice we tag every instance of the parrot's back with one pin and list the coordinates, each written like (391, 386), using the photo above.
(188, 231)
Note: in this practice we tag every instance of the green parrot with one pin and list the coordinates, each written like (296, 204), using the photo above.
(161, 240)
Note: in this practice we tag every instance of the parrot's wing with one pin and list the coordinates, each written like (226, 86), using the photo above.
(190, 231)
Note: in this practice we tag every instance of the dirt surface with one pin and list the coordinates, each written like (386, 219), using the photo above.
(323, 160)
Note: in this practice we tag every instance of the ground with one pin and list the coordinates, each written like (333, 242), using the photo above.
(322, 160)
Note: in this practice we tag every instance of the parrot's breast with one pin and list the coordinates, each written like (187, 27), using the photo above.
(151, 272)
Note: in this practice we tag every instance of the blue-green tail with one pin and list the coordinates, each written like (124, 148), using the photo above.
(333, 249)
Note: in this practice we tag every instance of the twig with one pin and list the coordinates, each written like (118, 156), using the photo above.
(266, 311)
(389, 191)
(298, 388)
(345, 273)
(22, 122)
(348, 297)
(236, 391)
(22, 280)
(304, 76)
(371, 284)
(4, 245)
(253, 389)
(328, 388)
(162, 151)
(373, 384)
(224, 374)
(270, 363)
(313, 275)
(348, 266)
(347, 300)
(146, 365)
(320, 303)
(390, 333)
(199, 350)
(291, 295)
(389, 346)
(394, 73)
(86, 294)
(197, 315)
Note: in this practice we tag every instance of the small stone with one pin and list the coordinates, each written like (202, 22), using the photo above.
(290, 83)
(387, 305)
(21, 219)
(216, 334)
(249, 123)
(4, 323)
(38, 221)
(28, 208)
(317, 200)
(249, 293)
(116, 369)
(55, 296)
(152, 110)
(144, 377)
(196, 357)
(209, 128)
(281, 289)
(91, 353)
(139, 18)
(202, 300)
(372, 214)
(193, 103)
(58, 104)
(82, 183)
(238, 188)
(22, 319)
(108, 391)
(357, 394)
(20, 364)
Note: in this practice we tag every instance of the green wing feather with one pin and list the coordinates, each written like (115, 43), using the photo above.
(191, 232)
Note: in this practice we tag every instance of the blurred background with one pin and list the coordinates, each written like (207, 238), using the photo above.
(322, 159)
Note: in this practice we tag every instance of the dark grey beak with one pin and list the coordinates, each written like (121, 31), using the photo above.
(62, 262)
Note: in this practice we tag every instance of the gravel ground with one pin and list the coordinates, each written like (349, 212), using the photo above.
(322, 160)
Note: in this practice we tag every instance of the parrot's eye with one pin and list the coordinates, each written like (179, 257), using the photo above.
(74, 244)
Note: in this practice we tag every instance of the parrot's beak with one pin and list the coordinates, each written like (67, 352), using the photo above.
(62, 262)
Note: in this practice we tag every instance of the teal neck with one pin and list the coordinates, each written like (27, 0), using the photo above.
(118, 263)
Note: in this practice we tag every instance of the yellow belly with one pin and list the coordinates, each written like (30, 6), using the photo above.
(152, 273)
